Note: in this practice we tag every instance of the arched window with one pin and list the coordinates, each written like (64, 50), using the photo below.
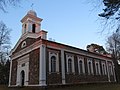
(81, 67)
(110, 69)
(70, 65)
(25, 28)
(53, 64)
(90, 68)
(97, 69)
(103, 69)
(33, 28)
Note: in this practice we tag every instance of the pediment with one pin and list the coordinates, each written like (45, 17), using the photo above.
(23, 43)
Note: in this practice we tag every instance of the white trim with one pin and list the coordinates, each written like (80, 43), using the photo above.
(42, 66)
(104, 72)
(23, 44)
(83, 65)
(91, 61)
(108, 71)
(24, 36)
(20, 61)
(114, 71)
(26, 50)
(97, 72)
(81, 53)
(10, 73)
(63, 66)
(73, 64)
(57, 60)
(37, 44)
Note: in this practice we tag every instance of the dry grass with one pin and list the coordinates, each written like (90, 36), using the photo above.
(80, 87)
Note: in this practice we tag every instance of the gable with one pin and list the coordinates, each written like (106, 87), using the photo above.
(21, 44)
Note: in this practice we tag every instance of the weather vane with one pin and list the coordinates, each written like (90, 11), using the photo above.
(32, 5)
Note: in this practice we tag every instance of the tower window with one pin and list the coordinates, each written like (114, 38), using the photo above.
(33, 28)
(25, 28)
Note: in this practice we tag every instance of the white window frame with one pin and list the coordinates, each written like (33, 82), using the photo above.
(73, 64)
(57, 61)
(104, 71)
(90, 60)
(97, 72)
(110, 68)
(83, 65)
(23, 44)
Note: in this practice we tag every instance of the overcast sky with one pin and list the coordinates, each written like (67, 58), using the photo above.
(71, 22)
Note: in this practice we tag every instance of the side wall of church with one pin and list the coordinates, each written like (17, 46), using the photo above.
(75, 77)
(34, 67)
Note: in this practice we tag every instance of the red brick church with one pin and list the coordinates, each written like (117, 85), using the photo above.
(36, 61)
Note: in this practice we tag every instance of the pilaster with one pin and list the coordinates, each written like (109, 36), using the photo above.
(42, 66)
(114, 71)
(63, 66)
(108, 71)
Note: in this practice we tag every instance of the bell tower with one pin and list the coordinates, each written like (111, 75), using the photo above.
(31, 23)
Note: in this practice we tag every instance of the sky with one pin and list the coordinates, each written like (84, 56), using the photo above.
(72, 22)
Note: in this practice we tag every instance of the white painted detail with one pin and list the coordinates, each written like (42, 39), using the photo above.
(57, 61)
(70, 56)
(79, 58)
(63, 66)
(114, 71)
(108, 71)
(98, 72)
(23, 60)
(110, 68)
(81, 53)
(89, 60)
(104, 72)
(23, 44)
(42, 69)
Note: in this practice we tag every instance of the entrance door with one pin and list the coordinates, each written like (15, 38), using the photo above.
(22, 77)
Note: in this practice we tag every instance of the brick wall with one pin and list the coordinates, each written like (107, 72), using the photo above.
(34, 67)
(14, 72)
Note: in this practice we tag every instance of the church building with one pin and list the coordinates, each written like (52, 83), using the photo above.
(36, 61)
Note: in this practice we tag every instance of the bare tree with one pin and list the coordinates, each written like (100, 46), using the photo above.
(113, 46)
(4, 41)
(5, 3)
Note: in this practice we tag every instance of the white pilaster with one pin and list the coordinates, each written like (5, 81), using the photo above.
(114, 71)
(63, 66)
(108, 71)
(42, 66)
(10, 72)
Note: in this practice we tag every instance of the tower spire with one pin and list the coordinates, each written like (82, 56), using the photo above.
(32, 6)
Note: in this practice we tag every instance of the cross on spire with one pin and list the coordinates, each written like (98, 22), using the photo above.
(32, 5)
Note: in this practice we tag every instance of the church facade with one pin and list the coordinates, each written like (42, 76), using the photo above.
(36, 61)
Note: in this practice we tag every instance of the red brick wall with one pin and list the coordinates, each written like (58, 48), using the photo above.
(34, 67)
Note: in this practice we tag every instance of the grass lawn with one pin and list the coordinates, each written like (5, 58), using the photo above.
(80, 87)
